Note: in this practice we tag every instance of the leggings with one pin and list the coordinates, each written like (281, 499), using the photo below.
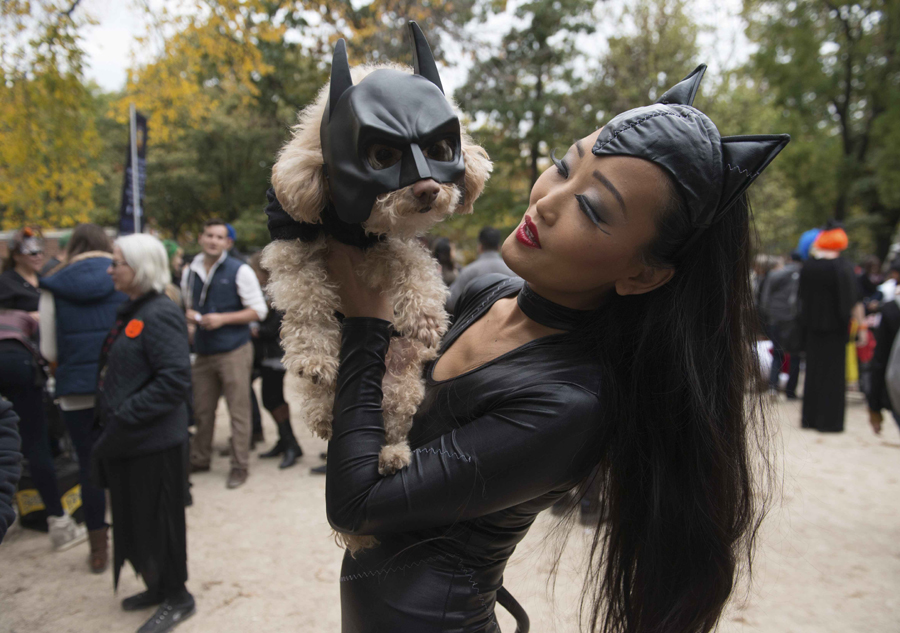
(272, 388)
(17, 384)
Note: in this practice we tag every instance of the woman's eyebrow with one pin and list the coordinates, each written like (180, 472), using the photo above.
(579, 148)
(615, 192)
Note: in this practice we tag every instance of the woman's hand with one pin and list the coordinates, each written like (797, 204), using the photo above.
(357, 298)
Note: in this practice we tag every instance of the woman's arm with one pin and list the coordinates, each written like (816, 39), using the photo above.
(540, 439)
(166, 348)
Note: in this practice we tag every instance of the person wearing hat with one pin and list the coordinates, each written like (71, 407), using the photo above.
(623, 353)
(828, 298)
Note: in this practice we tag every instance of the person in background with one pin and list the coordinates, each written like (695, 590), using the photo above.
(142, 391)
(885, 335)
(488, 261)
(19, 279)
(23, 376)
(442, 250)
(886, 290)
(61, 244)
(828, 297)
(869, 277)
(176, 260)
(223, 297)
(77, 308)
(10, 464)
(779, 306)
(267, 340)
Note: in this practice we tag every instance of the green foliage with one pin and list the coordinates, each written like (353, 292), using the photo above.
(48, 137)
(833, 71)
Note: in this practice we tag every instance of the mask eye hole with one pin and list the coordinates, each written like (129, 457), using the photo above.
(382, 156)
(442, 151)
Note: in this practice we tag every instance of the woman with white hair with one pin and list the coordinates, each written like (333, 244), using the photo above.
(143, 388)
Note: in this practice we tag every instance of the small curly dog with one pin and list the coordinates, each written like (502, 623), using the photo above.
(394, 260)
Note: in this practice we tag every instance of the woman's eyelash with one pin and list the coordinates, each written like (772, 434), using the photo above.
(589, 211)
(561, 166)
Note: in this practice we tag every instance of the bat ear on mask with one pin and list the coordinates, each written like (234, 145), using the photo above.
(340, 75)
(423, 58)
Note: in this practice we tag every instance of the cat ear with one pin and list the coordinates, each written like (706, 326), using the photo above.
(423, 59)
(340, 75)
(684, 91)
(744, 158)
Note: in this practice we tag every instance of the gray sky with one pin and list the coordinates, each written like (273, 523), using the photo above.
(110, 44)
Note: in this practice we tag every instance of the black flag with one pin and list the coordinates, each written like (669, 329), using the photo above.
(126, 210)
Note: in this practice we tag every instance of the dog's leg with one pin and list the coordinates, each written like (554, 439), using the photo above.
(403, 392)
(310, 333)
(409, 274)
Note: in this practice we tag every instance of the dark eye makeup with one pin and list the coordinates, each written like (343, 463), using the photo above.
(563, 168)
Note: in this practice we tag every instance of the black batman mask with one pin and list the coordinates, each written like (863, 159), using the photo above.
(387, 132)
(710, 171)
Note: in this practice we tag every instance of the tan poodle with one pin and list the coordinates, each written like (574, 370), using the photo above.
(394, 260)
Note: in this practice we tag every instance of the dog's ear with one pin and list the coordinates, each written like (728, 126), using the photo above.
(299, 174)
(478, 170)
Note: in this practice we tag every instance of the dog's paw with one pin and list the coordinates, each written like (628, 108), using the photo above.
(393, 457)
(429, 330)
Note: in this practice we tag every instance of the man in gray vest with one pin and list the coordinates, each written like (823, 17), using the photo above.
(488, 261)
(223, 297)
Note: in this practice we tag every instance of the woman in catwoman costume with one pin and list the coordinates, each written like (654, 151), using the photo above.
(627, 345)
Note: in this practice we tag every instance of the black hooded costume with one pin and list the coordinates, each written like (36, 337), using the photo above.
(496, 445)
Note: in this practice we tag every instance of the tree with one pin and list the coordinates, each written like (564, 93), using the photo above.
(48, 136)
(834, 71)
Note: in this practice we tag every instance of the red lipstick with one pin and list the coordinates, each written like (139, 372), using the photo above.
(527, 233)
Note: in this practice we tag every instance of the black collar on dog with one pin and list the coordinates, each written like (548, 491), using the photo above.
(284, 227)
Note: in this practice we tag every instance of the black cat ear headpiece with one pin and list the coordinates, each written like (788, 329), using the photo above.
(710, 171)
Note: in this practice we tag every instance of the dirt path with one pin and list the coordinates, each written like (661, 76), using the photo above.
(261, 557)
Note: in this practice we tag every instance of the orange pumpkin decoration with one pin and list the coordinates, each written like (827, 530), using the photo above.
(134, 328)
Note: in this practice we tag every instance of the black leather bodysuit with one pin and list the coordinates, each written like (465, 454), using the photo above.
(492, 448)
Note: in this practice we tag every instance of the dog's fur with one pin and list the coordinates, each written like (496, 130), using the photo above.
(299, 284)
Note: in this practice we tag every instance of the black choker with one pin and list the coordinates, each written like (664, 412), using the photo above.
(545, 312)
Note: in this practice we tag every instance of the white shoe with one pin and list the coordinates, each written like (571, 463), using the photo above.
(65, 532)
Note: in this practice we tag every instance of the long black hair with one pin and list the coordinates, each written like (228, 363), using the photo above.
(683, 472)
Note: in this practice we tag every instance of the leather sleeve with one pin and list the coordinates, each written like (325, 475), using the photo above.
(536, 440)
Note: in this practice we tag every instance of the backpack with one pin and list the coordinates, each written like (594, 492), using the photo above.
(892, 373)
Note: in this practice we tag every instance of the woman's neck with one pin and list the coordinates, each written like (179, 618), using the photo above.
(27, 274)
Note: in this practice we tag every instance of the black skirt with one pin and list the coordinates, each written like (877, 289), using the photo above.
(826, 381)
(147, 502)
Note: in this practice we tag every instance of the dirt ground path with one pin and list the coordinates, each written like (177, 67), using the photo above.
(261, 557)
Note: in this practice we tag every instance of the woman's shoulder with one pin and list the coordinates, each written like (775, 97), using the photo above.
(485, 289)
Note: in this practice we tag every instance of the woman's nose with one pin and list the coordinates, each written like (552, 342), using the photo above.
(426, 191)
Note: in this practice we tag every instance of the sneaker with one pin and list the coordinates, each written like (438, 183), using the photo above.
(141, 601)
(237, 477)
(168, 616)
(65, 533)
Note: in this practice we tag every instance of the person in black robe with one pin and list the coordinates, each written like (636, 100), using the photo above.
(828, 294)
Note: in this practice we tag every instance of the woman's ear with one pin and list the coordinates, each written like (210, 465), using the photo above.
(478, 170)
(647, 279)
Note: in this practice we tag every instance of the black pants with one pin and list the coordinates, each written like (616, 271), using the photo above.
(18, 385)
(147, 500)
(823, 392)
(93, 498)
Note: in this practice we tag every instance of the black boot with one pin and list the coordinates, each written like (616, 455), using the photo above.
(292, 450)
(276, 450)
